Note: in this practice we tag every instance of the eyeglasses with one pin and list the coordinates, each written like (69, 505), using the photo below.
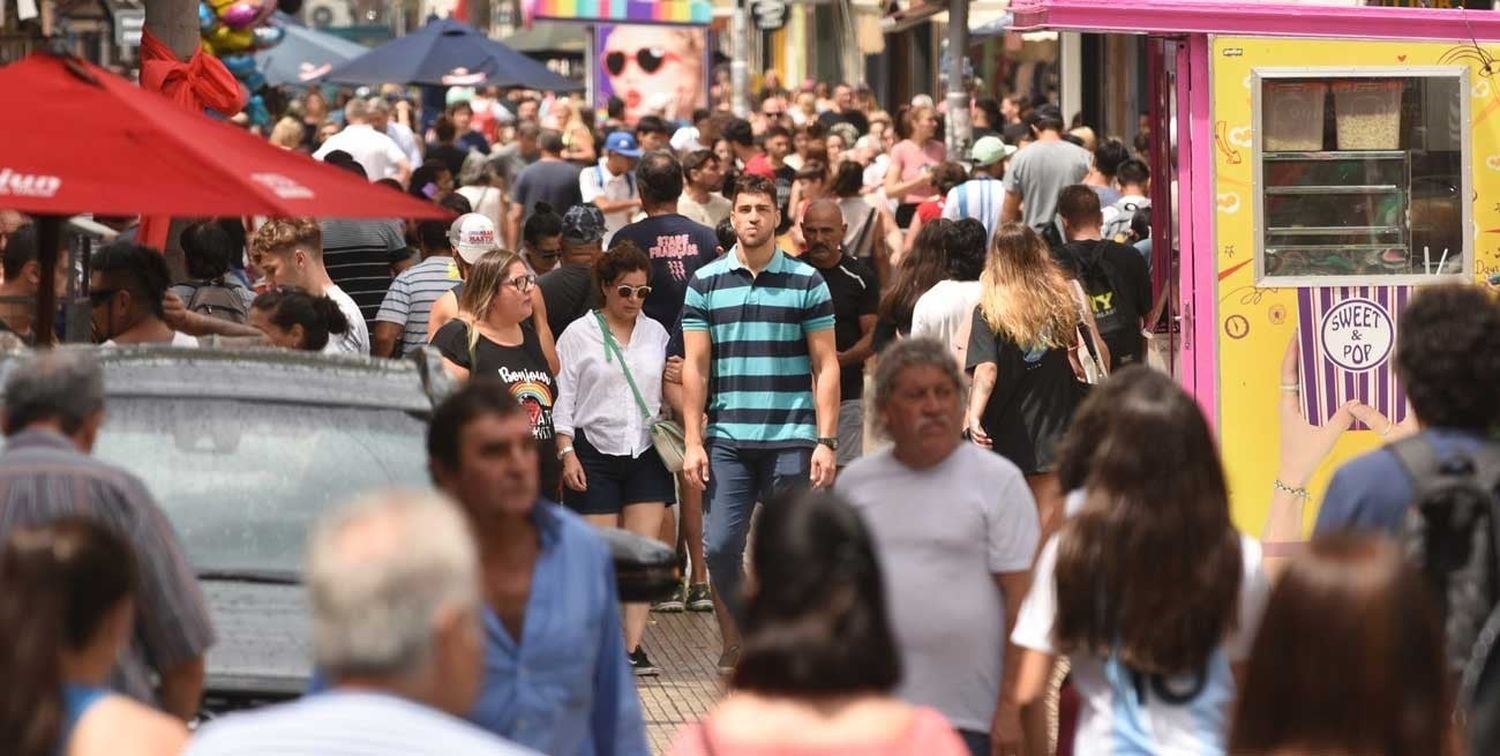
(101, 296)
(636, 292)
(648, 58)
(524, 283)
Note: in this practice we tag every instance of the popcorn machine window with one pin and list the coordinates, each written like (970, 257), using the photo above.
(1362, 176)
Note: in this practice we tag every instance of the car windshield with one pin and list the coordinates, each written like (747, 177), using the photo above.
(243, 482)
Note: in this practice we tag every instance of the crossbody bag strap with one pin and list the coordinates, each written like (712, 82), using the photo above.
(612, 346)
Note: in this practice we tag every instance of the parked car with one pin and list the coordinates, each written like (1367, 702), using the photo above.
(245, 450)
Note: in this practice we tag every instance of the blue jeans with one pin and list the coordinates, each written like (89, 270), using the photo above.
(737, 479)
(978, 743)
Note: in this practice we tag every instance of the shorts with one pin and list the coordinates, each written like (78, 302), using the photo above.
(615, 482)
(851, 431)
(905, 212)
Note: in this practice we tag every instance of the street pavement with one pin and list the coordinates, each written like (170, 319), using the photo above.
(686, 647)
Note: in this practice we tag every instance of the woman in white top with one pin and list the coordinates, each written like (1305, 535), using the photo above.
(611, 473)
(482, 188)
(1148, 589)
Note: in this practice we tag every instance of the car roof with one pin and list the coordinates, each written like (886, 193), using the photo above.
(271, 375)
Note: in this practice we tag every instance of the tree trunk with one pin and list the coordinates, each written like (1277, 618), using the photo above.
(175, 23)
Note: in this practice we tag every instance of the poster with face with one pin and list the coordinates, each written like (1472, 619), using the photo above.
(652, 67)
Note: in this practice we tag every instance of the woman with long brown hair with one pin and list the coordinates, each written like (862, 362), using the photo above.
(1021, 354)
(918, 271)
(67, 609)
(1148, 589)
(493, 336)
(1349, 660)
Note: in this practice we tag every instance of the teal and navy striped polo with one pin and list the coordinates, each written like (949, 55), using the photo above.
(760, 376)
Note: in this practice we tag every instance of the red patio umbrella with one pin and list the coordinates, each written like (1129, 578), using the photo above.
(75, 138)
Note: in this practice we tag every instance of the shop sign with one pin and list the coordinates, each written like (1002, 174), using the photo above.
(1357, 335)
(129, 25)
(769, 15)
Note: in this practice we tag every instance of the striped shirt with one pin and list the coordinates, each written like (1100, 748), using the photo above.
(409, 300)
(760, 384)
(358, 255)
(346, 723)
(981, 198)
(45, 478)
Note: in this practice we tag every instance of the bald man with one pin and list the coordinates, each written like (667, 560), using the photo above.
(856, 295)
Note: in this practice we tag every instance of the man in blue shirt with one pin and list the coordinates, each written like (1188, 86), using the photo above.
(761, 357)
(1448, 360)
(556, 677)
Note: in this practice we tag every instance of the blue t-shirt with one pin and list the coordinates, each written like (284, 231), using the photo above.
(1372, 491)
(678, 247)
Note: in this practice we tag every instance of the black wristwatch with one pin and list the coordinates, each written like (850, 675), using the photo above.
(831, 442)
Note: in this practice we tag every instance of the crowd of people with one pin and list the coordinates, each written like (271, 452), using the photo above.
(986, 525)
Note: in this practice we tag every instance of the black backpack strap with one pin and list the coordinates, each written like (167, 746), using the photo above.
(1419, 458)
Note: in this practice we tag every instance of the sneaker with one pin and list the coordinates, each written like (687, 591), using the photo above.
(641, 663)
(677, 602)
(728, 660)
(699, 598)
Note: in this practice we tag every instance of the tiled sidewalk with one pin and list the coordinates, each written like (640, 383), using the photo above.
(686, 647)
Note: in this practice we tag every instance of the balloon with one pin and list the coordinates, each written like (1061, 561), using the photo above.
(236, 14)
(206, 18)
(268, 36)
(290, 7)
(223, 41)
(267, 8)
(240, 65)
(256, 110)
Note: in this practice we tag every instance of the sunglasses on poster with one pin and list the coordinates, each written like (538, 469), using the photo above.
(649, 59)
(633, 292)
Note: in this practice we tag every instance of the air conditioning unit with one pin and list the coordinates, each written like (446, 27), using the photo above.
(325, 13)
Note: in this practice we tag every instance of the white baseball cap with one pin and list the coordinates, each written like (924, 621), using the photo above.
(472, 235)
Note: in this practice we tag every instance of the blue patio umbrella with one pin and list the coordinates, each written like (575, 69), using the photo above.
(304, 55)
(449, 53)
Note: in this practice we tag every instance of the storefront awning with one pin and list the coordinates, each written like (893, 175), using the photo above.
(1281, 19)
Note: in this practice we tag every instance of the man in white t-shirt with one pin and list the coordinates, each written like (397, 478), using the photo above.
(956, 529)
(403, 136)
(127, 286)
(289, 251)
(610, 184)
(375, 151)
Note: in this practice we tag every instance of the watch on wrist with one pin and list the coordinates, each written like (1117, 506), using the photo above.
(832, 442)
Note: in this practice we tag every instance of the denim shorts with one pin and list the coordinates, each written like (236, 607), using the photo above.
(617, 481)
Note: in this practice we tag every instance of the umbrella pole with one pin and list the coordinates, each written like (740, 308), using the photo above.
(49, 238)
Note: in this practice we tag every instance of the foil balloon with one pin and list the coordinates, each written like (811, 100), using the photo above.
(225, 41)
(236, 14)
(267, 37)
(206, 18)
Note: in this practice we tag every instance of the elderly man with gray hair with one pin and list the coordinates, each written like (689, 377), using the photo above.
(394, 586)
(382, 122)
(377, 153)
(53, 409)
(956, 530)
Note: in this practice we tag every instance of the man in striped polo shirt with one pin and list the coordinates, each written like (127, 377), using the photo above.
(760, 354)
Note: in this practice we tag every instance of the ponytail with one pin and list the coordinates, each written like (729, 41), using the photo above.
(318, 316)
(57, 584)
(334, 320)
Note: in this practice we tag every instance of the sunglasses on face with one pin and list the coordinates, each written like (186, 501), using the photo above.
(101, 296)
(648, 58)
(524, 283)
(635, 292)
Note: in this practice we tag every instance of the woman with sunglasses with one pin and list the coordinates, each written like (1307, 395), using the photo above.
(641, 61)
(493, 337)
(609, 390)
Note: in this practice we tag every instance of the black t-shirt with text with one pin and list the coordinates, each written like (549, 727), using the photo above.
(524, 371)
(1119, 288)
(1036, 394)
(678, 247)
(855, 293)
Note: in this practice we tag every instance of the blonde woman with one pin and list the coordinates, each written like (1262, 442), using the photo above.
(287, 133)
(578, 139)
(909, 179)
(493, 337)
(1021, 354)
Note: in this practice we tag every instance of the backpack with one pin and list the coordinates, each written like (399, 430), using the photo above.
(1450, 533)
(1098, 286)
(218, 300)
(1117, 226)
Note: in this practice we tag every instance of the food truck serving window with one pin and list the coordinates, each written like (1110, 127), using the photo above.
(1362, 175)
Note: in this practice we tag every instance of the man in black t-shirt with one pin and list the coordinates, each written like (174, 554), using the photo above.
(568, 290)
(856, 296)
(844, 111)
(1113, 276)
(551, 180)
(676, 245)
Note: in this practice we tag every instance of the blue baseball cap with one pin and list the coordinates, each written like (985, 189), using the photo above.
(623, 143)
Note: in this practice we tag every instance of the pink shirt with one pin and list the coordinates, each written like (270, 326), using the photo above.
(929, 735)
(912, 159)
